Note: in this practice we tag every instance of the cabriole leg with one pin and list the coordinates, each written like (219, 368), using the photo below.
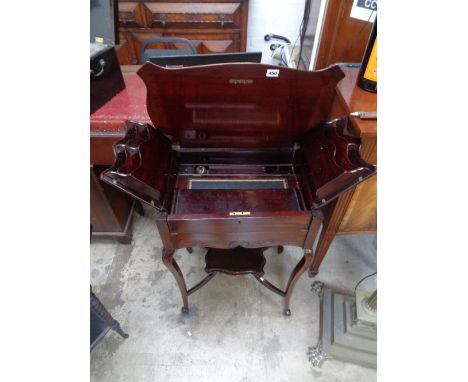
(299, 269)
(173, 267)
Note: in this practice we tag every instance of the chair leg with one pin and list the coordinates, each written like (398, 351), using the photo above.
(173, 267)
(103, 314)
(116, 327)
(299, 269)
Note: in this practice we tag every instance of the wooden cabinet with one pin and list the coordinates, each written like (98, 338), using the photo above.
(344, 39)
(215, 26)
(111, 211)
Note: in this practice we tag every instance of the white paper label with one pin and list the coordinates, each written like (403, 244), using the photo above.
(365, 10)
(272, 73)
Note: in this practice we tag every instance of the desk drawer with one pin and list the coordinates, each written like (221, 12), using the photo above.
(243, 239)
(228, 225)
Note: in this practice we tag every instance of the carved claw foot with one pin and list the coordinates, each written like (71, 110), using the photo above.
(316, 355)
(287, 312)
(317, 288)
(184, 310)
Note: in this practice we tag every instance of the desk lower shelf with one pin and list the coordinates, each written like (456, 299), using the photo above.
(236, 261)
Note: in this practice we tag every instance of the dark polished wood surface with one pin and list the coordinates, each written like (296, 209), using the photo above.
(316, 162)
(228, 105)
(235, 261)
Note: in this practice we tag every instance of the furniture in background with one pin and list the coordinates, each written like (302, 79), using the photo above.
(348, 328)
(105, 75)
(111, 211)
(146, 54)
(101, 321)
(214, 26)
(343, 38)
(356, 210)
(104, 22)
(205, 59)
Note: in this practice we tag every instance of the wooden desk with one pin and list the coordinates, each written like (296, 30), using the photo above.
(356, 210)
(237, 162)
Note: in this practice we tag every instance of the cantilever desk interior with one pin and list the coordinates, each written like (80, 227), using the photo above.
(111, 211)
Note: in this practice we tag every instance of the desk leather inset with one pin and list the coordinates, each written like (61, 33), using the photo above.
(239, 124)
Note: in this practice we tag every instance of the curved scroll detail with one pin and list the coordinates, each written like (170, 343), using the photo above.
(141, 164)
(329, 162)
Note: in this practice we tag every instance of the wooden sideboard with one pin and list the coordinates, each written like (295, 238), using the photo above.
(356, 210)
(214, 26)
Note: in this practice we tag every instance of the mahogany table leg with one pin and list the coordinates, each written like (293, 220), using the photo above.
(299, 269)
(189, 249)
(334, 214)
(280, 249)
(173, 267)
